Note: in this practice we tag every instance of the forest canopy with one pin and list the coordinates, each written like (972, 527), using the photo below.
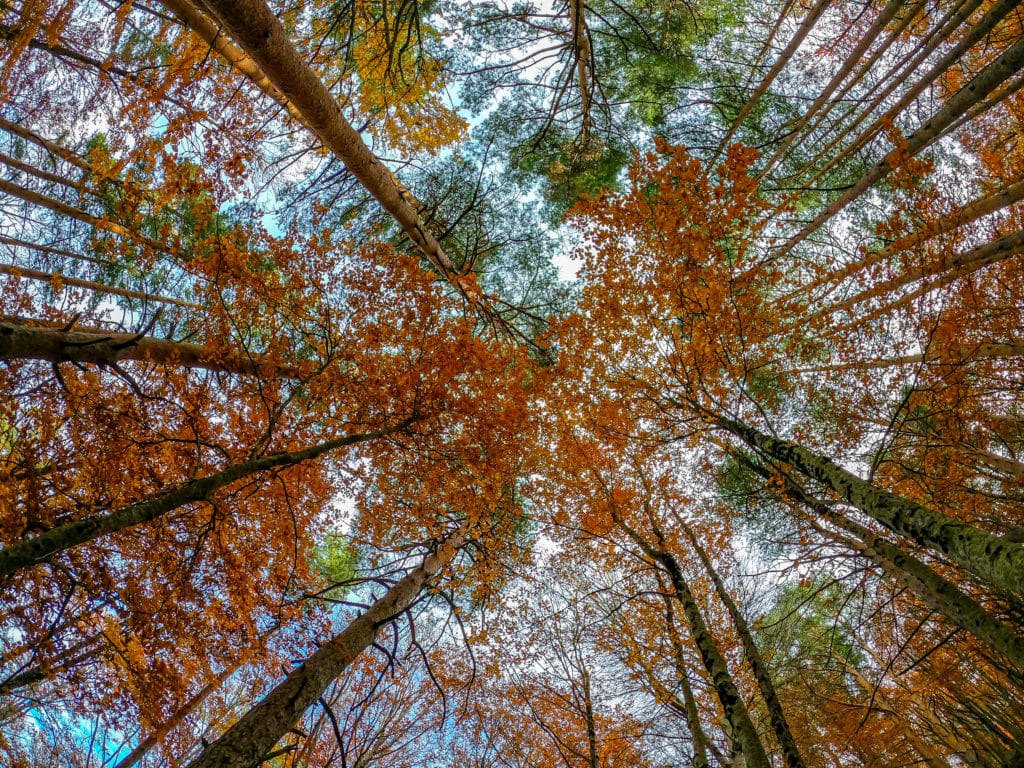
(589, 383)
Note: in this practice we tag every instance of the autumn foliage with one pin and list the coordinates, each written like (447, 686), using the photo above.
(312, 453)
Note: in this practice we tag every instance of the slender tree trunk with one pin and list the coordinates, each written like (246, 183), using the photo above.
(931, 758)
(64, 209)
(744, 734)
(746, 740)
(50, 146)
(147, 744)
(936, 592)
(588, 713)
(83, 650)
(960, 265)
(22, 339)
(43, 548)
(762, 87)
(247, 743)
(892, 7)
(964, 215)
(790, 750)
(949, 356)
(52, 279)
(700, 739)
(581, 53)
(994, 559)
(931, 43)
(986, 81)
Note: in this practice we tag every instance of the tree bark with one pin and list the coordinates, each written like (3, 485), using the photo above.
(262, 37)
(247, 743)
(960, 265)
(147, 744)
(948, 356)
(762, 87)
(783, 733)
(700, 739)
(930, 587)
(43, 548)
(994, 559)
(588, 712)
(208, 31)
(20, 339)
(746, 740)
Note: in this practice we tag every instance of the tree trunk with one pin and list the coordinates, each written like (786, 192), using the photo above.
(964, 215)
(21, 339)
(930, 587)
(261, 36)
(581, 53)
(986, 81)
(790, 750)
(745, 738)
(700, 739)
(960, 265)
(762, 87)
(44, 547)
(190, 706)
(247, 743)
(949, 356)
(992, 558)
(588, 713)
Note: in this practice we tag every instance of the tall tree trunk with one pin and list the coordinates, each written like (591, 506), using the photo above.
(780, 63)
(745, 738)
(700, 739)
(854, 57)
(790, 750)
(581, 53)
(973, 92)
(23, 339)
(588, 712)
(930, 587)
(262, 37)
(994, 559)
(44, 547)
(966, 214)
(53, 279)
(931, 758)
(247, 743)
(190, 706)
(960, 265)
(949, 356)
